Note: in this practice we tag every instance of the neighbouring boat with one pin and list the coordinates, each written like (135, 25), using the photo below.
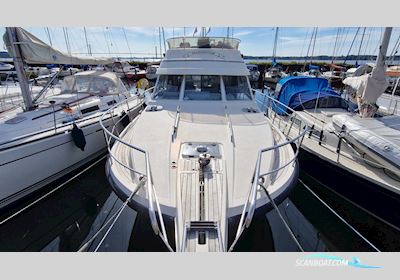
(364, 143)
(272, 76)
(60, 134)
(56, 134)
(151, 72)
(201, 159)
(254, 73)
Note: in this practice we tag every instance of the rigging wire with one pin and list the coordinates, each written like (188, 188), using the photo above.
(351, 45)
(337, 215)
(127, 43)
(52, 191)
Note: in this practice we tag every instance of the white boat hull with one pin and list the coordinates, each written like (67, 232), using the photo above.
(25, 168)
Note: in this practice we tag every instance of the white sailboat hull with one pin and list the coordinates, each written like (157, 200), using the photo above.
(27, 167)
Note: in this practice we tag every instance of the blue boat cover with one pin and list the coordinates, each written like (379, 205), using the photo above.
(296, 90)
(313, 67)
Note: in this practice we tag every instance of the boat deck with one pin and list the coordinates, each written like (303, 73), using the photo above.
(202, 205)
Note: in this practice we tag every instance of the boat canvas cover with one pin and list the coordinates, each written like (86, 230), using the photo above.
(296, 90)
(35, 51)
(380, 135)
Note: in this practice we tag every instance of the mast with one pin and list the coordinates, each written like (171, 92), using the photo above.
(87, 42)
(159, 37)
(334, 47)
(380, 60)
(127, 43)
(19, 67)
(359, 49)
(48, 35)
(275, 44)
(163, 35)
(375, 82)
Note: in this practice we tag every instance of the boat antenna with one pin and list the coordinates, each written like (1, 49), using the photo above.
(19, 67)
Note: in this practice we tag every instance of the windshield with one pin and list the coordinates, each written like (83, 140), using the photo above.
(168, 87)
(203, 42)
(236, 88)
(88, 84)
(202, 88)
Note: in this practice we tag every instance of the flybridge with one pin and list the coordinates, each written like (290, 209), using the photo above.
(203, 43)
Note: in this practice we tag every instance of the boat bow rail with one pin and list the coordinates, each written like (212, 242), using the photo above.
(145, 178)
(259, 178)
(262, 180)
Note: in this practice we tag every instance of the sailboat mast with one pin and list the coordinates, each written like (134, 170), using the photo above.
(48, 35)
(380, 60)
(19, 67)
(275, 45)
(359, 49)
(87, 42)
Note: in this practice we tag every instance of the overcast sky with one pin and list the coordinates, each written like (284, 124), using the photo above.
(257, 41)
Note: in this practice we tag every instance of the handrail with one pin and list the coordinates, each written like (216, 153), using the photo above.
(258, 177)
(154, 208)
(177, 118)
(354, 154)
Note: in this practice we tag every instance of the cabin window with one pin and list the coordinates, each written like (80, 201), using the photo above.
(81, 84)
(202, 88)
(236, 88)
(168, 87)
(102, 86)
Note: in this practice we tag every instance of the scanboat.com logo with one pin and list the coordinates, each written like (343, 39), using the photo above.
(321, 259)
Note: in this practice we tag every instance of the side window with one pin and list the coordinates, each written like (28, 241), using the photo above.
(202, 88)
(168, 87)
(236, 88)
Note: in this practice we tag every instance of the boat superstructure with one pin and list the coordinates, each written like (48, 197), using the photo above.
(202, 156)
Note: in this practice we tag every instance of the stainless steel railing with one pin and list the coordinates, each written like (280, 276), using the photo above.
(112, 136)
(260, 179)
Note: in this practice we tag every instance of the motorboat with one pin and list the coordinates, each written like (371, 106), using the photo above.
(272, 76)
(254, 73)
(6, 66)
(52, 135)
(202, 160)
(352, 138)
(151, 72)
(136, 74)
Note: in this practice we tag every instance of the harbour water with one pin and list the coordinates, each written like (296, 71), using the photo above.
(72, 215)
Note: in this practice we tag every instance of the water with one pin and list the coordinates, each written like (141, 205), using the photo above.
(71, 216)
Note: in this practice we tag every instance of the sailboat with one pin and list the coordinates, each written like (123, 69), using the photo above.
(355, 141)
(53, 135)
(275, 73)
(202, 159)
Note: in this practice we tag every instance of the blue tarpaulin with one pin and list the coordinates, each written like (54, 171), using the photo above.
(296, 90)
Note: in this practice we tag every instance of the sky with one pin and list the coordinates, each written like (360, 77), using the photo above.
(255, 41)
